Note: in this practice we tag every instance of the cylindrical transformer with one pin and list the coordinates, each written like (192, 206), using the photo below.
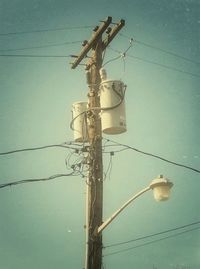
(79, 121)
(113, 115)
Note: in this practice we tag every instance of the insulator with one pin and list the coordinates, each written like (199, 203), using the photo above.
(88, 77)
(103, 74)
(109, 29)
(84, 43)
(96, 28)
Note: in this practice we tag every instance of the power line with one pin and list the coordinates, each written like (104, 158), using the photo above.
(156, 63)
(155, 156)
(167, 52)
(47, 30)
(122, 55)
(152, 235)
(161, 49)
(164, 66)
(151, 242)
(111, 60)
(17, 182)
(34, 56)
(42, 46)
(126, 147)
(63, 145)
(69, 56)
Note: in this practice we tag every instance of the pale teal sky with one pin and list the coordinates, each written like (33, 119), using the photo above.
(41, 224)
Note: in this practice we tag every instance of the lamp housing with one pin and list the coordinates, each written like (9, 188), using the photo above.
(161, 187)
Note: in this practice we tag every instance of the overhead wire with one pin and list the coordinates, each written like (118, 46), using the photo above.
(116, 151)
(47, 30)
(152, 235)
(62, 145)
(155, 156)
(34, 56)
(111, 60)
(90, 26)
(156, 63)
(41, 46)
(76, 146)
(151, 242)
(164, 66)
(17, 182)
(161, 49)
(122, 54)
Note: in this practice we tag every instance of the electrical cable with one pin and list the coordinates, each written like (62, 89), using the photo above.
(164, 66)
(156, 63)
(72, 121)
(155, 156)
(101, 108)
(34, 56)
(115, 151)
(9, 184)
(63, 145)
(47, 30)
(109, 167)
(152, 235)
(130, 56)
(151, 242)
(126, 147)
(42, 46)
(162, 50)
(122, 55)
(111, 60)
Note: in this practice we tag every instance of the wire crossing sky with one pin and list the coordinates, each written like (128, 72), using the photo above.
(152, 235)
(151, 242)
(46, 30)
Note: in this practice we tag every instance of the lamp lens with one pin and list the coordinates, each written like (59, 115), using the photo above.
(161, 193)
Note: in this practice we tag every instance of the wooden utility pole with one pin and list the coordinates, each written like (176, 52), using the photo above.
(95, 179)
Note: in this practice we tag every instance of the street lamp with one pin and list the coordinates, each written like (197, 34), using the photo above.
(161, 189)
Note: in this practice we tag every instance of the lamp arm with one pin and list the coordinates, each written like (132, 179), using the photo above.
(116, 213)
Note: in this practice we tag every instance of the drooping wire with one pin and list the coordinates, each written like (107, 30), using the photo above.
(68, 158)
(121, 56)
(152, 235)
(109, 167)
(154, 156)
(78, 166)
(151, 242)
(112, 60)
(91, 109)
(63, 145)
(17, 182)
(114, 143)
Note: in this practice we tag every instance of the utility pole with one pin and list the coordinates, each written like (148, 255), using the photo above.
(96, 45)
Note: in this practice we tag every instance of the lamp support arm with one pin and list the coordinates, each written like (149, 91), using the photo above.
(116, 213)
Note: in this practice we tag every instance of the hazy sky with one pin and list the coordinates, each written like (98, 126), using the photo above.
(42, 224)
